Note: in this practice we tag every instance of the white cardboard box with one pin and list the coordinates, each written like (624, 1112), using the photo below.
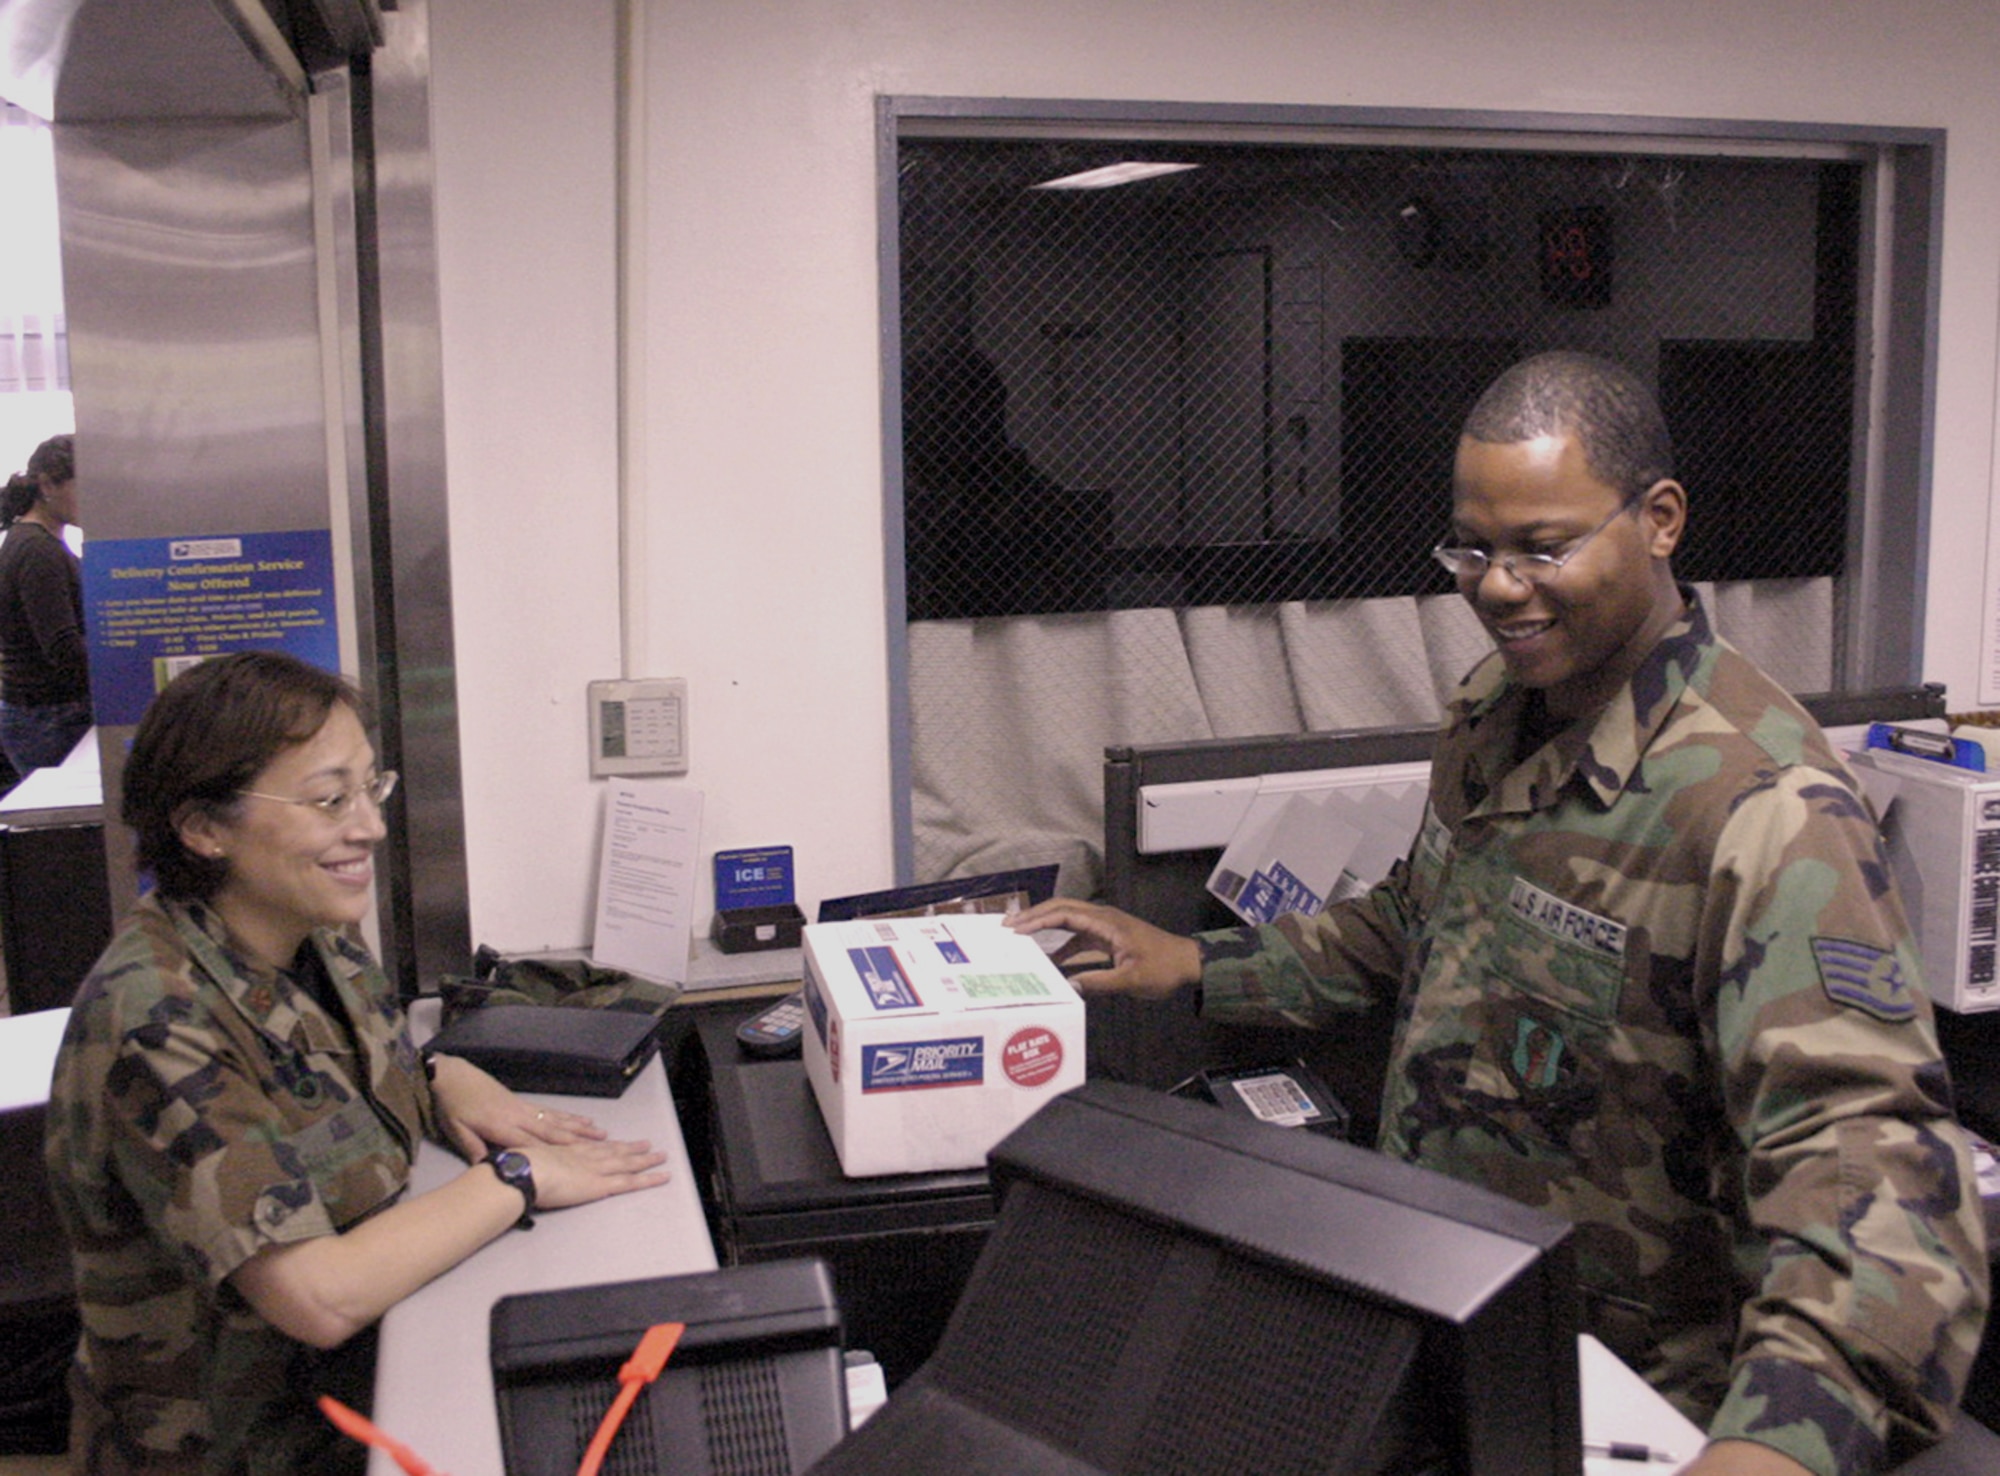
(1941, 828)
(929, 1039)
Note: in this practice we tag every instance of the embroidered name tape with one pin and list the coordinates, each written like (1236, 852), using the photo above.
(1560, 919)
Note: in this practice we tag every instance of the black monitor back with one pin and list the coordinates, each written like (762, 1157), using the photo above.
(1171, 1289)
(754, 1388)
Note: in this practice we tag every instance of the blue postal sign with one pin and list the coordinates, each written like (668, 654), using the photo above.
(156, 606)
(755, 878)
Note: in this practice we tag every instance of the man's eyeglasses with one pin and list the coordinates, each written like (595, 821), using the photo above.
(338, 806)
(1471, 564)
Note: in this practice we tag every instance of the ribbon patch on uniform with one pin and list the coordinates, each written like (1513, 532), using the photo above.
(1864, 976)
(1538, 1053)
(1560, 919)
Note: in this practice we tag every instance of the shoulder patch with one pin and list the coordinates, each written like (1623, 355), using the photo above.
(1866, 977)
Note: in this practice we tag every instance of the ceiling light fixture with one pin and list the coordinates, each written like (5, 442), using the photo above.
(1112, 174)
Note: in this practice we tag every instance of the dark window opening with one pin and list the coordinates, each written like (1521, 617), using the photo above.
(1241, 383)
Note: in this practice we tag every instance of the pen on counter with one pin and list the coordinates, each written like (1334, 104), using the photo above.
(1627, 1450)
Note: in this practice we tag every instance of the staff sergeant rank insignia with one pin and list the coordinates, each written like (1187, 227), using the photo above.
(1866, 977)
(1560, 919)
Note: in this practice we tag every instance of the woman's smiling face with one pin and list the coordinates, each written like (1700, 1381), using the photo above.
(291, 869)
(1578, 632)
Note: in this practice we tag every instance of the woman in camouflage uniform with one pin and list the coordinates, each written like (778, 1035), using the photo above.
(237, 1101)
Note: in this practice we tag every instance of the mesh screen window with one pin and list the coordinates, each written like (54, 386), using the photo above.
(1241, 382)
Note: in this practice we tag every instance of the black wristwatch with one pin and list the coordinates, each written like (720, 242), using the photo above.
(513, 1169)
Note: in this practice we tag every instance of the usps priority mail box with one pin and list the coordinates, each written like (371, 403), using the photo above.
(929, 1039)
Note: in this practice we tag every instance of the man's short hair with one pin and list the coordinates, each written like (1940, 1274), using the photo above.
(1613, 415)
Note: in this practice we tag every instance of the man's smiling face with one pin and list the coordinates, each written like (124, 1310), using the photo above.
(1579, 631)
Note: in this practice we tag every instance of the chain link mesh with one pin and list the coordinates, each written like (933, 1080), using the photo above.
(1241, 383)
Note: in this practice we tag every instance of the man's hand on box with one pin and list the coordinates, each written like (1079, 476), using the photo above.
(1143, 960)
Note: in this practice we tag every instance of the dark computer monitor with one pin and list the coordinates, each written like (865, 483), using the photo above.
(755, 1386)
(1169, 1288)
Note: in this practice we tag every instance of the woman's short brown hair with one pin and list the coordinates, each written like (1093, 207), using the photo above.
(206, 736)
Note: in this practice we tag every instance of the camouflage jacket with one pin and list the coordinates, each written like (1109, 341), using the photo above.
(202, 1109)
(1655, 978)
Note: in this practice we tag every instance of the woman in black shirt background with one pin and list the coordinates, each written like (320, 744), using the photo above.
(44, 662)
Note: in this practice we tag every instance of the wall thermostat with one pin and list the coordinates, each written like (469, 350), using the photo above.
(638, 727)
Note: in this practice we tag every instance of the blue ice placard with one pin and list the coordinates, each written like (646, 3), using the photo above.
(753, 878)
(156, 606)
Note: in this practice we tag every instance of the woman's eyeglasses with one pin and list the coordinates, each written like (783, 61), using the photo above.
(339, 805)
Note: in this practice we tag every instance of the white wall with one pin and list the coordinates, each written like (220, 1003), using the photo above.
(761, 518)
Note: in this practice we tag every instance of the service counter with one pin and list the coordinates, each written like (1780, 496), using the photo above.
(55, 898)
(899, 1246)
(433, 1384)
(37, 1296)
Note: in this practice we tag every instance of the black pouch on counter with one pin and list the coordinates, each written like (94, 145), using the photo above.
(550, 1048)
(570, 982)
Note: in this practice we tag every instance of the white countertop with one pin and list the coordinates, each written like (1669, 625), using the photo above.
(1620, 1406)
(434, 1384)
(28, 1056)
(75, 783)
(434, 1380)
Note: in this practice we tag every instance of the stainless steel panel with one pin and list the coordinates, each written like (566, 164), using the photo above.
(354, 26)
(191, 291)
(96, 61)
(141, 60)
(191, 287)
(408, 498)
(254, 344)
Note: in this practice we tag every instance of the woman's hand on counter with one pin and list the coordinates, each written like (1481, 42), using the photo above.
(578, 1173)
(479, 1113)
(325, 1289)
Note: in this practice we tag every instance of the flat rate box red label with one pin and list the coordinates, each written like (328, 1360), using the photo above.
(1032, 1056)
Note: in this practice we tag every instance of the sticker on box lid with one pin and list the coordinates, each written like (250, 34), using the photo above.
(881, 974)
(1032, 1056)
(939, 936)
(910, 1065)
(1275, 891)
(1007, 988)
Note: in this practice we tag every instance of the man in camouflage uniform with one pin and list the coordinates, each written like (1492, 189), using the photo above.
(1649, 969)
(264, 1121)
